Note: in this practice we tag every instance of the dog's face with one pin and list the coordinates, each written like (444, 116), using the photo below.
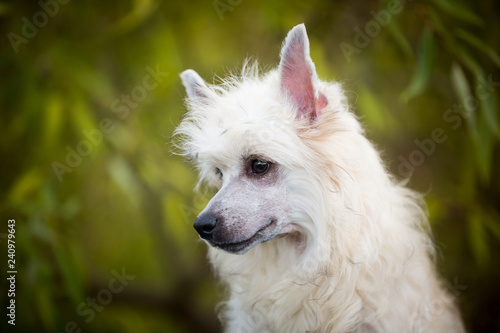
(242, 139)
(251, 207)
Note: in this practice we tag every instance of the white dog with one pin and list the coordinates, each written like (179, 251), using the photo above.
(307, 230)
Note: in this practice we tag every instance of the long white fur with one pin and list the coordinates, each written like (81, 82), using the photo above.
(363, 259)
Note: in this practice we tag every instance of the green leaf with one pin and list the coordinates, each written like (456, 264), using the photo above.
(41, 231)
(82, 115)
(492, 222)
(467, 100)
(400, 39)
(45, 305)
(27, 184)
(484, 148)
(459, 12)
(488, 107)
(477, 239)
(122, 175)
(423, 69)
(141, 10)
(53, 119)
(466, 190)
(478, 43)
(467, 59)
(484, 154)
(71, 277)
(436, 20)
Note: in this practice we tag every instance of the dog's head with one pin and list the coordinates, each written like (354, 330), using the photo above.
(247, 138)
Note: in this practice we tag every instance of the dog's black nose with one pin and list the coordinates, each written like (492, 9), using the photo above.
(205, 225)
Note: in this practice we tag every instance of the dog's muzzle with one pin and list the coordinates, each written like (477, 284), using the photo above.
(243, 214)
(211, 228)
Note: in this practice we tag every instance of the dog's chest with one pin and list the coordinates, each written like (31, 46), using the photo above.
(285, 306)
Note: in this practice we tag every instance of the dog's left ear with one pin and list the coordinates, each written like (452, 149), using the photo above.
(195, 86)
(298, 76)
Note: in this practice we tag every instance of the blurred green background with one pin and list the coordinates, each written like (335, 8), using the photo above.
(90, 95)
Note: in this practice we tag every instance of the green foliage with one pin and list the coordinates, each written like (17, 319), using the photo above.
(423, 68)
(90, 100)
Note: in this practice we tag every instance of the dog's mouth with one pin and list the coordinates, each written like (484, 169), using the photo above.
(260, 236)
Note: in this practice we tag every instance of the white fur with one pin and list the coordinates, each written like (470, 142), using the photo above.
(359, 259)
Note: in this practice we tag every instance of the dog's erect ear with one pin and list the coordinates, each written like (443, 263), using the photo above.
(195, 86)
(298, 75)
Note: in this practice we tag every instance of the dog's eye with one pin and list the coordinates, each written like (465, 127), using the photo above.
(260, 167)
(218, 172)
